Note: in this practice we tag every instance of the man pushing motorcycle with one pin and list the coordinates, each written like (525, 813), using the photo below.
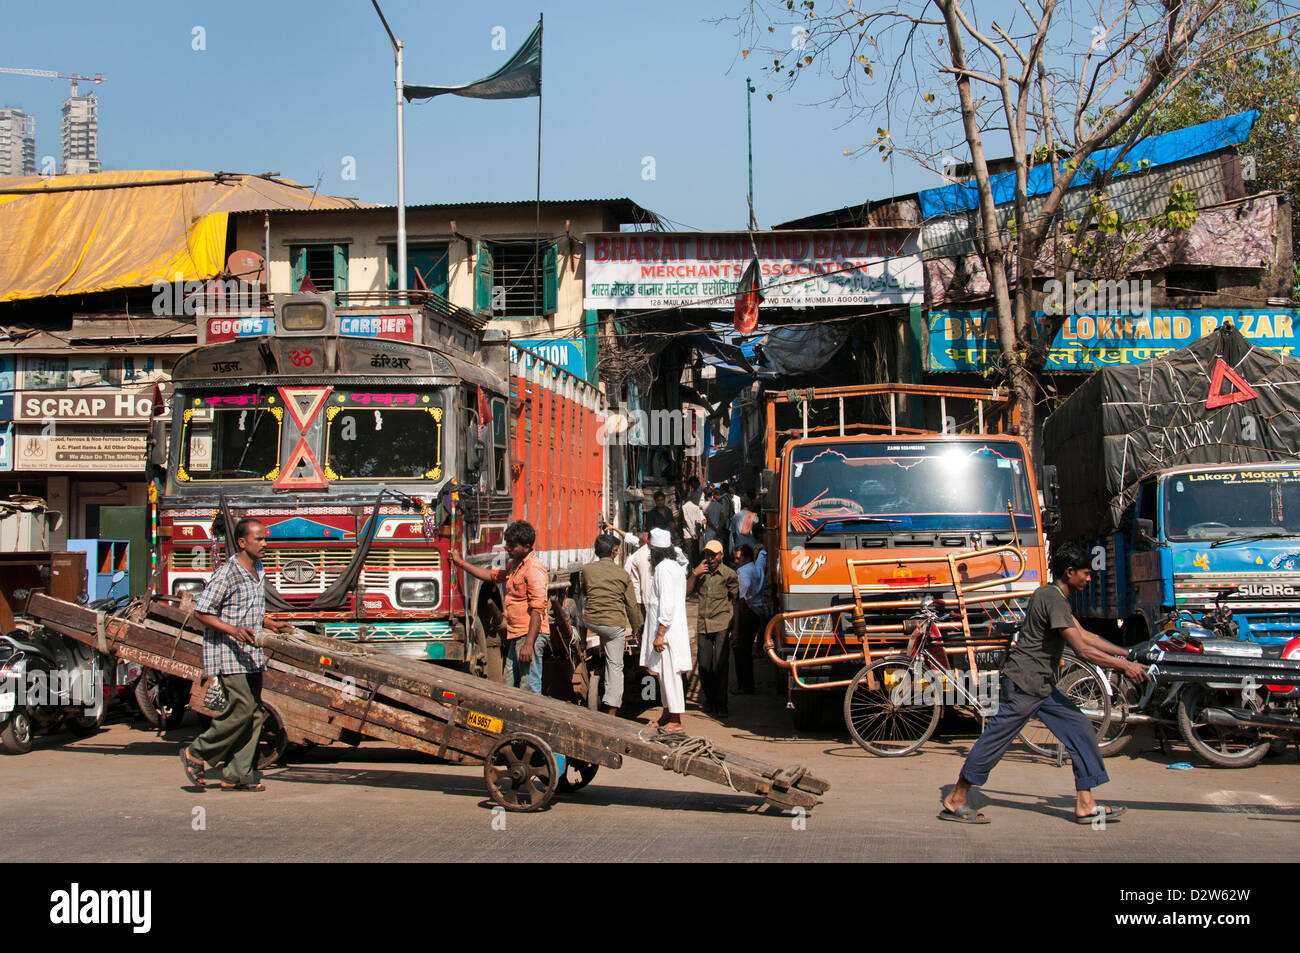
(1028, 688)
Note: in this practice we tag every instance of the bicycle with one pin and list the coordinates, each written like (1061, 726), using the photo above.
(892, 706)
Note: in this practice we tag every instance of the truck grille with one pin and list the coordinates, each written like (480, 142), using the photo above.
(382, 566)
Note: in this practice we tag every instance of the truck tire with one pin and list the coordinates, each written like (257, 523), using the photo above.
(809, 711)
(1221, 747)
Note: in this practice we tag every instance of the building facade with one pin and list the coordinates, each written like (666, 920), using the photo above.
(80, 135)
(17, 142)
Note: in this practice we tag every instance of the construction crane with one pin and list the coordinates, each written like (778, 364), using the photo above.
(50, 74)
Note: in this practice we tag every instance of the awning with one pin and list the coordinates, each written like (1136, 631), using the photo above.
(81, 234)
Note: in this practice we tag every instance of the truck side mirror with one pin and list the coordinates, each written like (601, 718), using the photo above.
(1144, 534)
(1051, 489)
(475, 452)
(767, 488)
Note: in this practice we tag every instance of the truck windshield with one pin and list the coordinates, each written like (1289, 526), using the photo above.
(230, 435)
(383, 436)
(923, 485)
(1230, 503)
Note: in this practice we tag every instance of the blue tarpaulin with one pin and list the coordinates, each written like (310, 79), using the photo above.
(1158, 150)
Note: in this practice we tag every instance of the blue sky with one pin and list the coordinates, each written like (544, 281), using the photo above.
(297, 87)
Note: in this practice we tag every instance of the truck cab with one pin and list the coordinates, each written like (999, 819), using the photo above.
(1195, 531)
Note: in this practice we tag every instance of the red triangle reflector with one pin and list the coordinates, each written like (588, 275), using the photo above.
(315, 480)
(1217, 398)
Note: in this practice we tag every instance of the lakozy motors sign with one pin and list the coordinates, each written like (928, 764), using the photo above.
(76, 906)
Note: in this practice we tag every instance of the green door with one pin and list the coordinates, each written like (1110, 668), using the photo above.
(130, 523)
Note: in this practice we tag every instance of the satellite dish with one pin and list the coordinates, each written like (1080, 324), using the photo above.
(246, 266)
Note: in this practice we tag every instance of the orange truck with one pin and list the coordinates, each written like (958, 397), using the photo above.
(876, 496)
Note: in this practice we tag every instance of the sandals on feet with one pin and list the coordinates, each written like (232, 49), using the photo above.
(193, 768)
(1108, 813)
(963, 815)
(256, 786)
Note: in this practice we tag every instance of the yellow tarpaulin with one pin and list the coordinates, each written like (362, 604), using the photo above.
(70, 235)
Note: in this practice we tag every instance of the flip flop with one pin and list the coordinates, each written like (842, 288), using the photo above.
(963, 815)
(1110, 813)
(193, 768)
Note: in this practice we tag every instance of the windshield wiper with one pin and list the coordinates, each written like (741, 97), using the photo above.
(257, 420)
(1253, 536)
(846, 519)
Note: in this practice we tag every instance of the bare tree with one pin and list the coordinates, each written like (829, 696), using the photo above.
(1047, 83)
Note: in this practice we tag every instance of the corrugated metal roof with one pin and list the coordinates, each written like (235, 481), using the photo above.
(626, 203)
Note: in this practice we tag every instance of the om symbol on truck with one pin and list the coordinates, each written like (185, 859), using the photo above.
(805, 565)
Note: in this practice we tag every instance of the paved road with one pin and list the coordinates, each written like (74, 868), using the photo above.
(122, 796)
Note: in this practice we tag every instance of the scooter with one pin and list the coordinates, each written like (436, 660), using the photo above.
(47, 684)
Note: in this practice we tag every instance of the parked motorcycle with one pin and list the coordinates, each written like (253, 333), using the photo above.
(47, 683)
(1226, 718)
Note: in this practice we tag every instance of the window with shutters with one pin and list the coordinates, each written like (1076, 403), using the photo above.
(516, 279)
(325, 264)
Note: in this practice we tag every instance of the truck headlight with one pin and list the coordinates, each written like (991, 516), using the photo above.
(417, 592)
(192, 586)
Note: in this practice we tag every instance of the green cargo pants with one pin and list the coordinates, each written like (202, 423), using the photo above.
(231, 740)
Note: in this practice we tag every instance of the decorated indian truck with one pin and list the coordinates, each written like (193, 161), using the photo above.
(1182, 476)
(370, 440)
(878, 486)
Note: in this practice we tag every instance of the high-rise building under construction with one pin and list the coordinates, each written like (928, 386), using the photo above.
(80, 135)
(17, 142)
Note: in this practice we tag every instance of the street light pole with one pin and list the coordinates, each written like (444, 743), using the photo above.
(401, 160)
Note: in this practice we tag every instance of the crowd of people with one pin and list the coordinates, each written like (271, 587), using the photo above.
(711, 549)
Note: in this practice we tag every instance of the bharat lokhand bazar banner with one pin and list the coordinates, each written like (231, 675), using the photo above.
(799, 269)
(968, 340)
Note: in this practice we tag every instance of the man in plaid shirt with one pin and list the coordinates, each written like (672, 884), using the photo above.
(233, 609)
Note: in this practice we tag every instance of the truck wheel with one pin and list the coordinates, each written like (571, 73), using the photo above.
(1223, 747)
(16, 736)
(809, 709)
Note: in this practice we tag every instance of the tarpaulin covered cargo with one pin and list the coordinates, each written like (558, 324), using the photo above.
(79, 234)
(1219, 400)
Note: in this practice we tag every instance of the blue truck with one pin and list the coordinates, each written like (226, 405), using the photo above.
(1181, 475)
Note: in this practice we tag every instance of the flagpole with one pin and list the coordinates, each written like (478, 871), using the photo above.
(749, 119)
(537, 234)
(401, 159)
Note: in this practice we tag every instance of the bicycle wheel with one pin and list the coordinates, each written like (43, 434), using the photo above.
(1124, 697)
(890, 708)
(1088, 690)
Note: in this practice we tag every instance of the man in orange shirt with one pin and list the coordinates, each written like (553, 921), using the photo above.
(524, 584)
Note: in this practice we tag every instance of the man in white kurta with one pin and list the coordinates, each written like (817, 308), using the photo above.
(665, 642)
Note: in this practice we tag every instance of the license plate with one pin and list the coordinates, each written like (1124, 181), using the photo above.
(484, 722)
(7, 702)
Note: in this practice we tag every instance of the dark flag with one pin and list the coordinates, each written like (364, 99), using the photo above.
(748, 298)
(484, 412)
(520, 78)
(307, 284)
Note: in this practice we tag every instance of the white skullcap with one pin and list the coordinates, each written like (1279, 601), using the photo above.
(660, 538)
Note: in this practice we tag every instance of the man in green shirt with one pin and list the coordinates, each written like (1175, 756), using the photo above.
(611, 612)
(717, 588)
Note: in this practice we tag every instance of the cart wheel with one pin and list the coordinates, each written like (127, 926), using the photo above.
(271, 746)
(521, 773)
(577, 775)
